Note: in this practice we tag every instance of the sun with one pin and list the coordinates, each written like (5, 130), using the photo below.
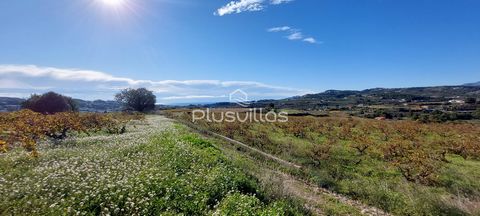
(113, 3)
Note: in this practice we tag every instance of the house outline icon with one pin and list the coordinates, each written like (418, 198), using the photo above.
(239, 97)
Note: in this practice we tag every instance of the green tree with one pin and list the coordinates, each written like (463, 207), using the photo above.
(140, 100)
(50, 103)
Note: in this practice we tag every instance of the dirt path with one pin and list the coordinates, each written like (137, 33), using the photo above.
(314, 197)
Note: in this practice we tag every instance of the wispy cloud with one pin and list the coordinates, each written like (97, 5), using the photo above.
(293, 34)
(91, 84)
(279, 29)
(277, 2)
(240, 6)
(310, 40)
(62, 74)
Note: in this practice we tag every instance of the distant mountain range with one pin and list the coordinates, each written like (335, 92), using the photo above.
(403, 93)
(11, 104)
(98, 105)
(377, 96)
(472, 84)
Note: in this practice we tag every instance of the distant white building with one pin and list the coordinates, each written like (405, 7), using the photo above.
(456, 101)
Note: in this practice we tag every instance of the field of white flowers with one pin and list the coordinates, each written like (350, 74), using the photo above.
(152, 169)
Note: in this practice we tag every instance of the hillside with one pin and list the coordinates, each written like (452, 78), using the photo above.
(10, 104)
(376, 96)
(98, 105)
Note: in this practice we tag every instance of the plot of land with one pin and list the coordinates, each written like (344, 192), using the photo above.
(155, 168)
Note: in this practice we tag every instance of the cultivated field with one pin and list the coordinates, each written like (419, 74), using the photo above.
(402, 167)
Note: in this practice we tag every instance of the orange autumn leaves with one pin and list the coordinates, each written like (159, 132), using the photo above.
(26, 128)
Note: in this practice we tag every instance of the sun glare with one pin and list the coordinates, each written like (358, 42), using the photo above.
(113, 3)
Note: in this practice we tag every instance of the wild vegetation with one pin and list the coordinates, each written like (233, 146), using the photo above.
(403, 167)
(152, 169)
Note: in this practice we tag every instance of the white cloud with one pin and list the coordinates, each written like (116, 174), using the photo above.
(279, 29)
(310, 40)
(277, 2)
(62, 74)
(240, 6)
(90, 84)
(293, 34)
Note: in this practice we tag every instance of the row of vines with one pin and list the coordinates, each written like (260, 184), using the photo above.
(26, 128)
(416, 149)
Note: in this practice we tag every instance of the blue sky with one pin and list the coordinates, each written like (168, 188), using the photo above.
(192, 50)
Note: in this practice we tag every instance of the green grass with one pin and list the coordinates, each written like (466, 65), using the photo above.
(153, 170)
(461, 176)
(378, 184)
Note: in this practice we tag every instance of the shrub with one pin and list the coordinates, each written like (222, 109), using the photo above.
(320, 152)
(50, 103)
(415, 162)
